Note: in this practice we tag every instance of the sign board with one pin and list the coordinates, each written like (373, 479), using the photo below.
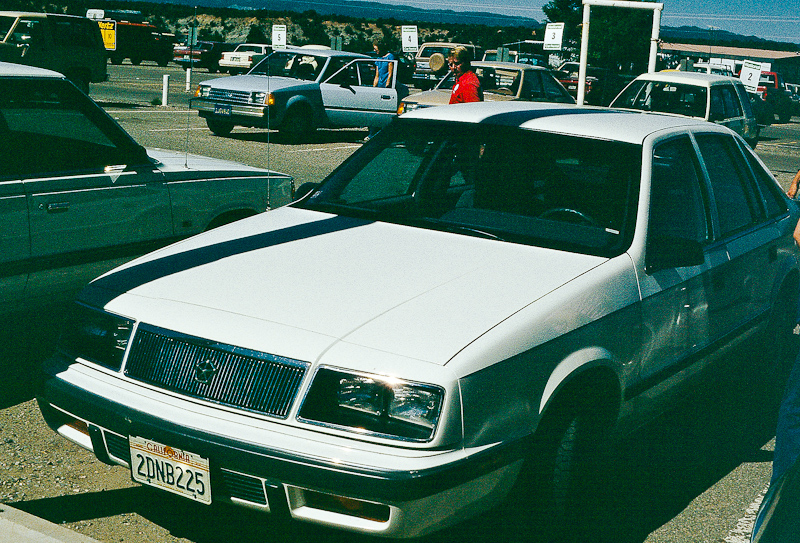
(750, 75)
(95, 14)
(410, 39)
(108, 30)
(553, 36)
(279, 36)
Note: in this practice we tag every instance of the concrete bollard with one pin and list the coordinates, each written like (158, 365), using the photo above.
(164, 90)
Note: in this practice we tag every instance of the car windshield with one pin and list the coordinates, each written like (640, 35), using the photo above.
(294, 64)
(520, 186)
(664, 97)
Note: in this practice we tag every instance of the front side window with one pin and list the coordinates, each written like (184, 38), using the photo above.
(515, 185)
(727, 171)
(677, 202)
(290, 64)
(48, 126)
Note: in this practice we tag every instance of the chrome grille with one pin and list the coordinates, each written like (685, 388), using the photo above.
(216, 372)
(242, 97)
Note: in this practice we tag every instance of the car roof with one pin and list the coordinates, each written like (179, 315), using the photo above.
(691, 78)
(505, 65)
(8, 69)
(321, 52)
(594, 122)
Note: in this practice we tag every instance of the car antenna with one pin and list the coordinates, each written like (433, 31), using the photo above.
(192, 33)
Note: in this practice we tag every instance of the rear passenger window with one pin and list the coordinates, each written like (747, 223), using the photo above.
(727, 171)
(771, 193)
(677, 202)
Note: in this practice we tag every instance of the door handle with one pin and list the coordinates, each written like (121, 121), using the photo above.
(55, 207)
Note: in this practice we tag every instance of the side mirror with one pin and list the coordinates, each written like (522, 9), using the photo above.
(668, 252)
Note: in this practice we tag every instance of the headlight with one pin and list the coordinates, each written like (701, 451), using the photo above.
(202, 91)
(261, 97)
(373, 404)
(97, 336)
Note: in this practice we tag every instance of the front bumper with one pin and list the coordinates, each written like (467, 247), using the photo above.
(212, 108)
(379, 494)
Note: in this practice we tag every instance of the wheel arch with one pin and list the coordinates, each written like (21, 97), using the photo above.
(587, 376)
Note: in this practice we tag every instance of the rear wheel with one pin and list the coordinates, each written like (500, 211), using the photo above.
(219, 128)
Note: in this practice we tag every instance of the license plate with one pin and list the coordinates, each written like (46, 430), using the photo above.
(222, 109)
(236, 59)
(174, 470)
(186, 57)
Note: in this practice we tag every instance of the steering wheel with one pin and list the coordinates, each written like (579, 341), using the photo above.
(568, 212)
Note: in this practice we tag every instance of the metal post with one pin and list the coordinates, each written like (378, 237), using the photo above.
(189, 78)
(164, 90)
(584, 60)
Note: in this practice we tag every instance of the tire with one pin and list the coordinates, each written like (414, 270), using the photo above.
(297, 125)
(560, 482)
(781, 344)
(136, 60)
(784, 115)
(219, 128)
(163, 62)
(116, 60)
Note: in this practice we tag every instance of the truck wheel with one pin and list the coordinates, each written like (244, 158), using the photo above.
(297, 125)
(219, 128)
(116, 60)
(136, 60)
(162, 62)
(784, 115)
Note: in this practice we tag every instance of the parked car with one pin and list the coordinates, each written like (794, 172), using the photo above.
(243, 57)
(567, 74)
(481, 297)
(63, 43)
(500, 81)
(777, 98)
(491, 55)
(298, 90)
(715, 98)
(430, 62)
(203, 54)
(133, 37)
(79, 196)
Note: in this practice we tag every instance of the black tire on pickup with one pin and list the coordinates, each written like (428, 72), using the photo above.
(219, 128)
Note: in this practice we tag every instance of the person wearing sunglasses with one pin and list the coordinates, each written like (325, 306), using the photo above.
(467, 87)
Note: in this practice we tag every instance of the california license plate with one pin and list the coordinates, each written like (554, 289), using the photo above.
(174, 470)
(222, 109)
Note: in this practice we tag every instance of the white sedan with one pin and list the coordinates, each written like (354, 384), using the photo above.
(472, 304)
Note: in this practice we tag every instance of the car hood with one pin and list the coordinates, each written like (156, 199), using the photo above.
(298, 278)
(441, 97)
(262, 82)
(184, 165)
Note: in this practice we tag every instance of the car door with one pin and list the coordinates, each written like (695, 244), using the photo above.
(14, 241)
(93, 197)
(677, 301)
(351, 100)
(751, 240)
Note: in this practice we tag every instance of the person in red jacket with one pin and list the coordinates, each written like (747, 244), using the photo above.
(467, 87)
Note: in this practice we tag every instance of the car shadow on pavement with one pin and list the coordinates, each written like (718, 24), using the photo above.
(27, 339)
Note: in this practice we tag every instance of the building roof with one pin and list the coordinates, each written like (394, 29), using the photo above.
(765, 55)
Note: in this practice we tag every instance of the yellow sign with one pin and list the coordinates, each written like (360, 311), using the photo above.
(108, 29)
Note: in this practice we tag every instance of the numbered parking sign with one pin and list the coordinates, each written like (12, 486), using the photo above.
(410, 39)
(750, 75)
(553, 35)
(279, 36)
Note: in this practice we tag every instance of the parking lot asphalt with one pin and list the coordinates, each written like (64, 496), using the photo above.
(20, 527)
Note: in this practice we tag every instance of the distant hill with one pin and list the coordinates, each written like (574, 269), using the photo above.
(371, 10)
(695, 34)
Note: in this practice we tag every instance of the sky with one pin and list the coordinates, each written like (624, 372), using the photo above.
(777, 20)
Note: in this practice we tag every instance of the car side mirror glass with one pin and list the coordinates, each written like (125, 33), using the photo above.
(665, 252)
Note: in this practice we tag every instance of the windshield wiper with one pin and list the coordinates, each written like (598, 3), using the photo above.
(470, 231)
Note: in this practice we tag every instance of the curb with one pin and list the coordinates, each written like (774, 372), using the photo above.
(19, 527)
